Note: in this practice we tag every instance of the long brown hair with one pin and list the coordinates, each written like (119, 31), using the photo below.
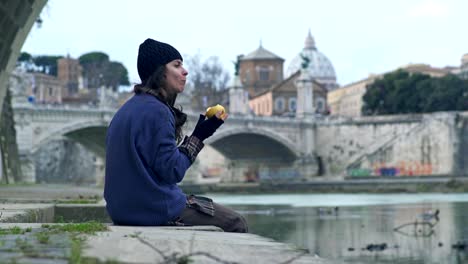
(156, 86)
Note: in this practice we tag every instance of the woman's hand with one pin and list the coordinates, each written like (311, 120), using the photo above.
(221, 115)
(205, 128)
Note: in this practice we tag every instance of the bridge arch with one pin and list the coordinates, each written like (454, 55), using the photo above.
(79, 132)
(263, 144)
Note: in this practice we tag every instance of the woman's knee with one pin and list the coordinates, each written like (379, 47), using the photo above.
(239, 224)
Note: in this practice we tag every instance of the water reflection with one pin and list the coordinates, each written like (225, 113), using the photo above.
(366, 234)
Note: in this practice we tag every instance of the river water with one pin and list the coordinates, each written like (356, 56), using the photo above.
(362, 228)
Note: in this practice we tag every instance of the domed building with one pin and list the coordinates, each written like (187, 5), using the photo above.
(320, 67)
(260, 73)
(259, 70)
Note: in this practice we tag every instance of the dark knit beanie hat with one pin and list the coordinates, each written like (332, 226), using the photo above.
(152, 54)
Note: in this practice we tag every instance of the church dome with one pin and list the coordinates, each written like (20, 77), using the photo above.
(320, 67)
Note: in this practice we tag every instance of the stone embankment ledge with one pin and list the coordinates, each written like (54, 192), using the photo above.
(129, 244)
(25, 237)
(413, 184)
(200, 244)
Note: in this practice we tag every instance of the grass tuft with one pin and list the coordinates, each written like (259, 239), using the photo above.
(16, 230)
(84, 228)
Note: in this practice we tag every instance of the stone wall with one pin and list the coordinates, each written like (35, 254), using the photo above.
(400, 145)
(461, 153)
(65, 161)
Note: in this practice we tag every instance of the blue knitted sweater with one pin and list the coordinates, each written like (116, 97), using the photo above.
(143, 164)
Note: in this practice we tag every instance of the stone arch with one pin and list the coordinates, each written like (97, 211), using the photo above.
(282, 141)
(62, 131)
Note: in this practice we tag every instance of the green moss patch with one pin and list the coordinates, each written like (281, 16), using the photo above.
(82, 228)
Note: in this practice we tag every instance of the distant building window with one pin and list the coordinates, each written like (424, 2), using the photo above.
(320, 107)
(279, 78)
(51, 91)
(247, 77)
(279, 104)
(292, 104)
(264, 74)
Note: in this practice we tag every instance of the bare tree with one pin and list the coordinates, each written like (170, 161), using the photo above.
(207, 80)
(207, 74)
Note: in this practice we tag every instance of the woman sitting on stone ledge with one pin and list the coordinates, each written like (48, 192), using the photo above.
(144, 163)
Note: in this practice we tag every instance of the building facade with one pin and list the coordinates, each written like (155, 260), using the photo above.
(67, 88)
(464, 67)
(348, 100)
(70, 74)
(46, 89)
(281, 99)
(259, 70)
(426, 69)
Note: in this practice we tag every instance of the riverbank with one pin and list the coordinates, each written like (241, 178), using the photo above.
(354, 185)
(35, 243)
(33, 193)
(28, 212)
(66, 225)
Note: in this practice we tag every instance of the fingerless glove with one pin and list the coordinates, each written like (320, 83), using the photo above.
(205, 128)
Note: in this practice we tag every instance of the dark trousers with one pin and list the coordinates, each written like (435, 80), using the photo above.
(224, 218)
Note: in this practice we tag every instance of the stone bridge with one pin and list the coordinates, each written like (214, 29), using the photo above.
(242, 139)
(429, 144)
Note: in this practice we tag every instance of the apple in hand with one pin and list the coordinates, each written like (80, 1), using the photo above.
(211, 111)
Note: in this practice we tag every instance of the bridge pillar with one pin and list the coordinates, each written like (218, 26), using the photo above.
(307, 162)
(238, 171)
(307, 166)
(238, 98)
(28, 168)
(253, 171)
(99, 170)
(305, 95)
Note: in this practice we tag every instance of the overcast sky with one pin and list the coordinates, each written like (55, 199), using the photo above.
(359, 37)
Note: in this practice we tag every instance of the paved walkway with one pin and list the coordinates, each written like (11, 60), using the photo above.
(33, 193)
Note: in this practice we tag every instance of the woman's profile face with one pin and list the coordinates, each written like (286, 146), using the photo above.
(176, 76)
